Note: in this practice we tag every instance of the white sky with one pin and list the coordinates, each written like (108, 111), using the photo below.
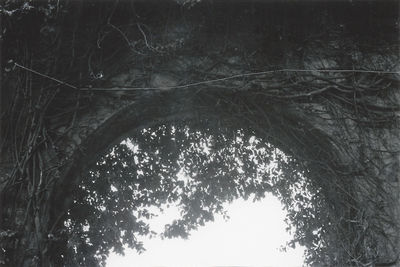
(251, 237)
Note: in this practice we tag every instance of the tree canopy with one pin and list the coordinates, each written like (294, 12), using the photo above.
(311, 94)
(194, 167)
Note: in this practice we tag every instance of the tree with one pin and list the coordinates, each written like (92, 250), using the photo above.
(182, 164)
(204, 101)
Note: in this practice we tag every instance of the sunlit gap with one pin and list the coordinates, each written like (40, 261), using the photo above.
(253, 235)
(194, 169)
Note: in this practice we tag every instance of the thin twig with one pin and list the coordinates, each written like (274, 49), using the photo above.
(122, 33)
(125, 88)
(145, 37)
(46, 76)
(118, 88)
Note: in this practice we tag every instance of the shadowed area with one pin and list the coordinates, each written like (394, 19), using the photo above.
(213, 91)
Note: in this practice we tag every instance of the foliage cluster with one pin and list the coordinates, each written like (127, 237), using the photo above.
(195, 166)
(189, 165)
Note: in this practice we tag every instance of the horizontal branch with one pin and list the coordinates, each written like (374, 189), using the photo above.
(243, 75)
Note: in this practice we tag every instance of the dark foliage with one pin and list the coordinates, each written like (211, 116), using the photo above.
(193, 167)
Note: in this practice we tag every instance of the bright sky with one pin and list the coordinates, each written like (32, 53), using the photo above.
(251, 237)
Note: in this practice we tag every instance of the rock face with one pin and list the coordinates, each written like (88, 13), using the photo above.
(323, 95)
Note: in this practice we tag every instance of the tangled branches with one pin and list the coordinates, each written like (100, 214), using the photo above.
(331, 102)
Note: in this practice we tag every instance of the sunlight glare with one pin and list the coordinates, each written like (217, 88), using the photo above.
(251, 237)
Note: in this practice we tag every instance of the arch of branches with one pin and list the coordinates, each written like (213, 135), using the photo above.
(209, 92)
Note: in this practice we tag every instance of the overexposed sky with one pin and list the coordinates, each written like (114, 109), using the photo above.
(251, 237)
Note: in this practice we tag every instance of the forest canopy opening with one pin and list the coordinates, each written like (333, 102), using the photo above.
(318, 81)
(253, 235)
(195, 167)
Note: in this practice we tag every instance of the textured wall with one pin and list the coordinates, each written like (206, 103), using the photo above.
(322, 88)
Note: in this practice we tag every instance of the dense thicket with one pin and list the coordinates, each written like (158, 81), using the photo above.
(319, 64)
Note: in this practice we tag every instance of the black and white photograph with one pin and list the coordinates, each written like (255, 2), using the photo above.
(199, 133)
